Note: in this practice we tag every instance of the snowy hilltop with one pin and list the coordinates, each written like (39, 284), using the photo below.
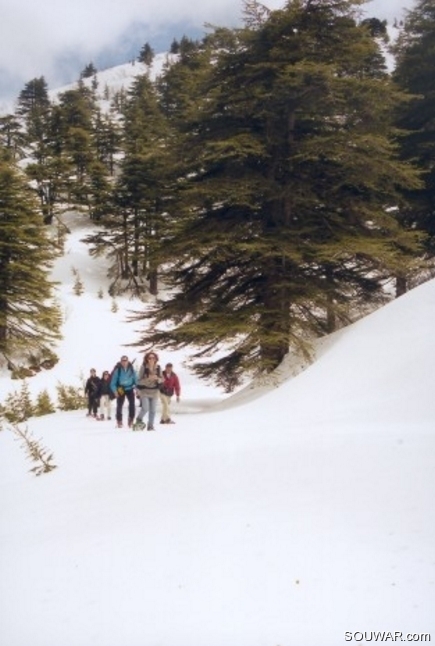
(108, 81)
(296, 514)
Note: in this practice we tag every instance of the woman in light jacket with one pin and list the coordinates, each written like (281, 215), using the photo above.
(148, 383)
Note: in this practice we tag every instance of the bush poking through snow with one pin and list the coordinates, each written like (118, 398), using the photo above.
(78, 288)
(18, 406)
(35, 451)
(70, 397)
(44, 405)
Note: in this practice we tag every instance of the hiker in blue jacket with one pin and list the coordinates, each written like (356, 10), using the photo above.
(123, 384)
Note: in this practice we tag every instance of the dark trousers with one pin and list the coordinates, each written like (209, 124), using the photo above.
(93, 403)
(131, 405)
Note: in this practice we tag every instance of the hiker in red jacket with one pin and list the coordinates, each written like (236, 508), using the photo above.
(169, 387)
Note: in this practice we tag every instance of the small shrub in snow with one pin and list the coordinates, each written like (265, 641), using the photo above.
(78, 288)
(70, 397)
(44, 405)
(35, 451)
(18, 405)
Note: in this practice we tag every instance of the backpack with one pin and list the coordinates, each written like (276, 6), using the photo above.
(166, 389)
(146, 374)
(118, 366)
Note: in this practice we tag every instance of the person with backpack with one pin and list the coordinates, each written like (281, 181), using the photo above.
(105, 395)
(169, 386)
(123, 384)
(91, 390)
(148, 382)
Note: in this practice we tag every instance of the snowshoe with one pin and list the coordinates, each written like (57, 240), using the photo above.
(138, 425)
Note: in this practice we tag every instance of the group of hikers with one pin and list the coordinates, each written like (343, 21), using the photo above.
(149, 385)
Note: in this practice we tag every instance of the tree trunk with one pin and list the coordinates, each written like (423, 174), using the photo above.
(153, 276)
(401, 285)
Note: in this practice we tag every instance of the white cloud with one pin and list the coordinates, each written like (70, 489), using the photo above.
(34, 36)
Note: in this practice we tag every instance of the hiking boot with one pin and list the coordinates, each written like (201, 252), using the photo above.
(170, 421)
(109, 418)
(130, 423)
(150, 427)
(119, 424)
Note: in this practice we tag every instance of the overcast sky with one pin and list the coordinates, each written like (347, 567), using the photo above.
(54, 38)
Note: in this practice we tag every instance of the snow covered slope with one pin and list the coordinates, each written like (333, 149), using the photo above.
(300, 516)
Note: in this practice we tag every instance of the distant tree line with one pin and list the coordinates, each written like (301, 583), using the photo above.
(275, 177)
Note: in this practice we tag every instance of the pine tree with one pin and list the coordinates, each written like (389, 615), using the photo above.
(48, 168)
(146, 54)
(175, 47)
(107, 139)
(88, 71)
(44, 405)
(288, 173)
(77, 109)
(26, 405)
(78, 286)
(12, 137)
(136, 227)
(33, 106)
(29, 321)
(415, 73)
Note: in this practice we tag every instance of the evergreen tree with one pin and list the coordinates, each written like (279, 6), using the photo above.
(415, 73)
(146, 54)
(29, 321)
(288, 173)
(107, 139)
(26, 404)
(33, 106)
(187, 46)
(78, 117)
(77, 106)
(50, 171)
(12, 137)
(49, 168)
(89, 71)
(175, 47)
(134, 232)
(44, 405)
